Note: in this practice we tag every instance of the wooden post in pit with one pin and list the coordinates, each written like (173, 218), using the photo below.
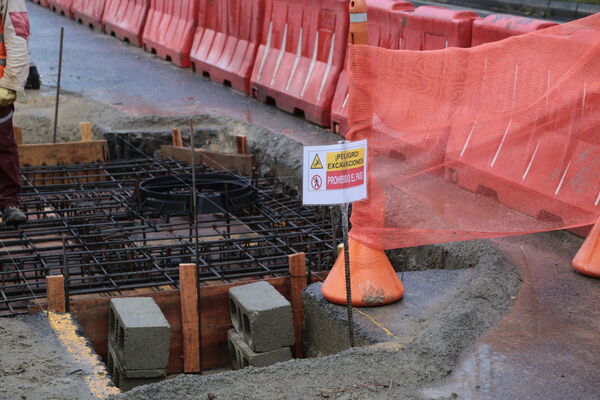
(86, 131)
(18, 135)
(55, 292)
(242, 144)
(176, 136)
(189, 318)
(298, 282)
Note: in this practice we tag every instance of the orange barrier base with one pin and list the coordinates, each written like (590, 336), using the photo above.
(374, 281)
(587, 260)
(62, 7)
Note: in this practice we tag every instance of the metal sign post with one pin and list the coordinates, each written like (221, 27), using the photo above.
(336, 175)
(344, 208)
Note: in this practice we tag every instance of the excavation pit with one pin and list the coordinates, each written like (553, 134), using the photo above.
(87, 223)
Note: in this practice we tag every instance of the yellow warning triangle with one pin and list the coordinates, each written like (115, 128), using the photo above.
(316, 164)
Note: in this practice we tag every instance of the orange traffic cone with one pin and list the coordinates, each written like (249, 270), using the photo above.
(587, 260)
(373, 280)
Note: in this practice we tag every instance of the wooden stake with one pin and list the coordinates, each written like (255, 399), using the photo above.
(55, 291)
(242, 144)
(298, 282)
(18, 135)
(176, 136)
(189, 318)
(86, 131)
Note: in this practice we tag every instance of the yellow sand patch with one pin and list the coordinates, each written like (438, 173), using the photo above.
(66, 332)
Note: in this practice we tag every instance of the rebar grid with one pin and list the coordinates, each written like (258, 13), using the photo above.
(113, 248)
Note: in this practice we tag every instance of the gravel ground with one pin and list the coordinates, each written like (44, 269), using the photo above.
(34, 365)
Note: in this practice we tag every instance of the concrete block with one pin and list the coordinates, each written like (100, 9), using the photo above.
(139, 334)
(242, 356)
(127, 381)
(262, 316)
(113, 361)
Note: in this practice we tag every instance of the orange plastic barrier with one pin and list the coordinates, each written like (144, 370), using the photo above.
(515, 128)
(63, 7)
(227, 40)
(500, 26)
(301, 55)
(90, 13)
(125, 19)
(587, 260)
(433, 28)
(384, 19)
(169, 30)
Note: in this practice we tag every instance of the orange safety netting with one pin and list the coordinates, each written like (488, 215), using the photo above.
(496, 140)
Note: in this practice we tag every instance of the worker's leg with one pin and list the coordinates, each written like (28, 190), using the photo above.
(9, 160)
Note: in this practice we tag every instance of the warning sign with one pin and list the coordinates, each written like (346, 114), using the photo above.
(316, 164)
(345, 169)
(341, 179)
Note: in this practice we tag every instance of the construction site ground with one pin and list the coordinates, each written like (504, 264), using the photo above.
(35, 365)
(519, 325)
(499, 319)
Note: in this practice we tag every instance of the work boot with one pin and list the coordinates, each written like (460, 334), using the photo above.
(13, 216)
(33, 80)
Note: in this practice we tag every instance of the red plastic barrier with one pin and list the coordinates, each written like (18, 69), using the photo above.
(499, 26)
(64, 7)
(125, 19)
(90, 13)
(523, 183)
(170, 28)
(227, 40)
(556, 166)
(433, 28)
(384, 18)
(429, 28)
(301, 55)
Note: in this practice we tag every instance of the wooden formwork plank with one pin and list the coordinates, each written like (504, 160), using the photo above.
(176, 137)
(242, 163)
(92, 316)
(86, 131)
(55, 289)
(188, 280)
(298, 282)
(18, 135)
(62, 153)
(242, 144)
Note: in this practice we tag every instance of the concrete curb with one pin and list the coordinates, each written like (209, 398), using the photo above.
(559, 10)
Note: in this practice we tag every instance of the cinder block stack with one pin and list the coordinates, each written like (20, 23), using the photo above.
(138, 342)
(263, 328)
